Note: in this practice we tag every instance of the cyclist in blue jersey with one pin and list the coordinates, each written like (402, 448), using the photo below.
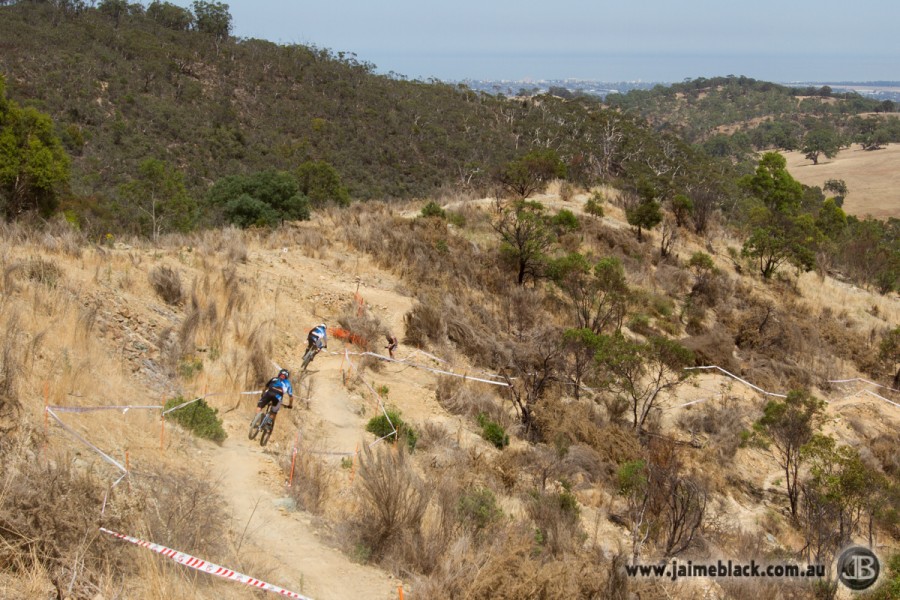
(274, 393)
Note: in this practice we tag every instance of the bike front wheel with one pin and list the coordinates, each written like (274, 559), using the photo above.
(254, 425)
(264, 438)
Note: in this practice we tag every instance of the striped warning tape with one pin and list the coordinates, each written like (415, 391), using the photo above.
(206, 567)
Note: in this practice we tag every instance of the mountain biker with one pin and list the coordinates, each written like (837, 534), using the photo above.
(274, 393)
(317, 338)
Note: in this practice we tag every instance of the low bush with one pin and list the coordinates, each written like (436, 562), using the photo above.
(478, 508)
(492, 431)
(432, 209)
(199, 418)
(385, 424)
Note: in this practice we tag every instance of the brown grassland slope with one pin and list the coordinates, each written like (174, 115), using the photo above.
(541, 517)
(872, 177)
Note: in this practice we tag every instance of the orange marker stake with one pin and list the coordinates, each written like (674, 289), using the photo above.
(400, 591)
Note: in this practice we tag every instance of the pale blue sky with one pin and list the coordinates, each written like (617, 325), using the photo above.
(658, 40)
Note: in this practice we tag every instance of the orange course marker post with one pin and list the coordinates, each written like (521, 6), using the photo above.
(400, 591)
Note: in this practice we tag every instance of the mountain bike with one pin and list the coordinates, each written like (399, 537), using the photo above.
(310, 354)
(263, 424)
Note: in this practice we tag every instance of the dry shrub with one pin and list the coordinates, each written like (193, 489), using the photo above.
(259, 347)
(367, 327)
(884, 448)
(720, 422)
(166, 282)
(579, 423)
(432, 436)
(392, 502)
(461, 398)
(557, 519)
(61, 238)
(43, 271)
(612, 240)
(48, 523)
(510, 568)
(180, 509)
(11, 369)
(441, 320)
(312, 480)
(715, 347)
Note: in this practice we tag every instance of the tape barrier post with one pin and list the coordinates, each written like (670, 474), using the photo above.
(294, 459)
(206, 567)
(400, 591)
(46, 409)
(162, 425)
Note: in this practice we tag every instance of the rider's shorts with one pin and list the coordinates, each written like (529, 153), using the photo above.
(266, 399)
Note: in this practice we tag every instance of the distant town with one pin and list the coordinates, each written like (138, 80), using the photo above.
(881, 90)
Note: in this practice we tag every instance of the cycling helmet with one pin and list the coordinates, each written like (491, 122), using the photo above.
(284, 372)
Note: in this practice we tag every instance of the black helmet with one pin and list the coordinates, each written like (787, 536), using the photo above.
(284, 372)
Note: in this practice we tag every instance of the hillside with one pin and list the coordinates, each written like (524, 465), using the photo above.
(125, 88)
(471, 517)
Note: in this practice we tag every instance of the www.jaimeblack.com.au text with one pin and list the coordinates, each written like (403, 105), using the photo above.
(724, 568)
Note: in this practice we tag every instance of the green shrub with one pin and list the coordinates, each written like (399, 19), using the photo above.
(565, 221)
(492, 431)
(478, 508)
(456, 219)
(381, 427)
(199, 418)
(432, 209)
(594, 205)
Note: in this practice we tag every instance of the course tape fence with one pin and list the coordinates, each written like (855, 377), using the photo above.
(206, 567)
(767, 393)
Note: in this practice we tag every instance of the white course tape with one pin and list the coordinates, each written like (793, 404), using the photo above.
(183, 404)
(78, 436)
(862, 380)
(882, 398)
(744, 381)
(207, 567)
(84, 409)
(433, 370)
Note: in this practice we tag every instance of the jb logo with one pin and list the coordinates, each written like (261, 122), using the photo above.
(858, 568)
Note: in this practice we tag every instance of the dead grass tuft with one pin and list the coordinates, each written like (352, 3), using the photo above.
(166, 282)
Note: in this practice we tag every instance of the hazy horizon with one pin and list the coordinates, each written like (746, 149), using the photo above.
(654, 40)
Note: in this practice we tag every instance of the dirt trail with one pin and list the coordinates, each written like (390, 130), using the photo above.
(252, 484)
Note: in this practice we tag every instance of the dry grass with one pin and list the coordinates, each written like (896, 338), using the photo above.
(166, 282)
(871, 176)
(392, 503)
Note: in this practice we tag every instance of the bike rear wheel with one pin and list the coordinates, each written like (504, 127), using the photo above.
(254, 425)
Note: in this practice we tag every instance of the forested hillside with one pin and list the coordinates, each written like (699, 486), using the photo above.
(131, 84)
(732, 116)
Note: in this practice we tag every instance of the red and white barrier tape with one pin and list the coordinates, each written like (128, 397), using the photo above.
(207, 567)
